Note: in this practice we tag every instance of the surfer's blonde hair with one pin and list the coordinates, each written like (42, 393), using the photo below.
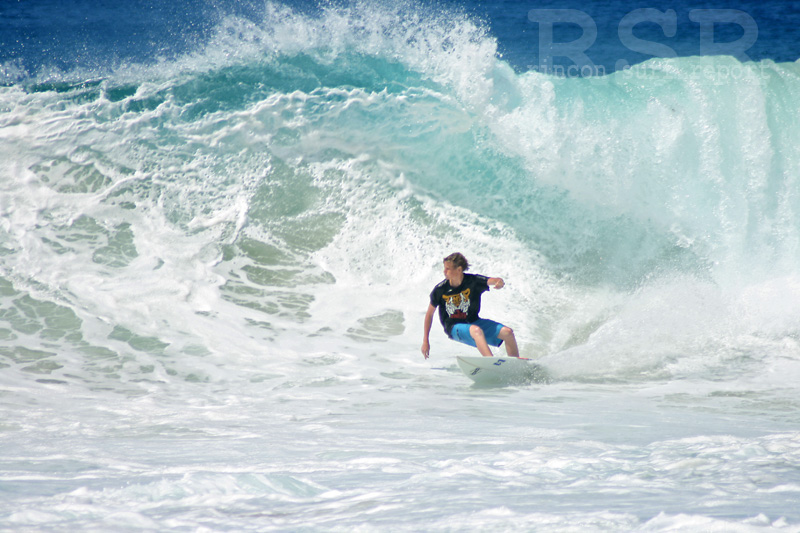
(458, 260)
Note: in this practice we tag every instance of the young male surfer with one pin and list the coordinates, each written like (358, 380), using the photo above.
(458, 298)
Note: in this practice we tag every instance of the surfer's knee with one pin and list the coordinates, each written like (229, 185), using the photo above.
(506, 333)
(475, 332)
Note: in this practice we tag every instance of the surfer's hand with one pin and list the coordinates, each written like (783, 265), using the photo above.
(426, 348)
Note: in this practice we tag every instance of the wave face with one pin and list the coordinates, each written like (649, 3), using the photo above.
(301, 178)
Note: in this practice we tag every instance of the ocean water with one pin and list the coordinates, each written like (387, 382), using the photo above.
(220, 223)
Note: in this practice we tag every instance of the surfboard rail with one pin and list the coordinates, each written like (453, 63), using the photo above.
(501, 370)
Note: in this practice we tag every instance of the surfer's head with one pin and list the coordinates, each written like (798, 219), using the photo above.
(458, 260)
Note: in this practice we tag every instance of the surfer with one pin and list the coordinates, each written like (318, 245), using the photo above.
(458, 298)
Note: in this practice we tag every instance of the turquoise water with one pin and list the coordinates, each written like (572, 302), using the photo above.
(214, 269)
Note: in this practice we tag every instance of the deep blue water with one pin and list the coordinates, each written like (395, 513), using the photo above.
(777, 25)
(47, 37)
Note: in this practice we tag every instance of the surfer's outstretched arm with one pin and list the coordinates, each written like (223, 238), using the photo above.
(497, 283)
(426, 331)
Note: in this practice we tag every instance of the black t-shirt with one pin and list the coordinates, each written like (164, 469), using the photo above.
(459, 304)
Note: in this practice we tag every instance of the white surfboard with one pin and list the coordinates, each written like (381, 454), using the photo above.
(500, 370)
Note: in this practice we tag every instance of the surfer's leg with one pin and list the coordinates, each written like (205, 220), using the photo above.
(480, 340)
(507, 335)
(463, 333)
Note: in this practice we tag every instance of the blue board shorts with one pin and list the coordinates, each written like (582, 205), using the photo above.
(491, 329)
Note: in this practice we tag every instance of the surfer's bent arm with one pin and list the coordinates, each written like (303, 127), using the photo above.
(426, 331)
(497, 283)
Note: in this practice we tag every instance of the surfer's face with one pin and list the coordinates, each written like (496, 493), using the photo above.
(453, 274)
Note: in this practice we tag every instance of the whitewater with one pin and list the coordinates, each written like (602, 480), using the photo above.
(214, 269)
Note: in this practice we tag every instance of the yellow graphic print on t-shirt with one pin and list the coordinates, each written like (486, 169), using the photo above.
(457, 305)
